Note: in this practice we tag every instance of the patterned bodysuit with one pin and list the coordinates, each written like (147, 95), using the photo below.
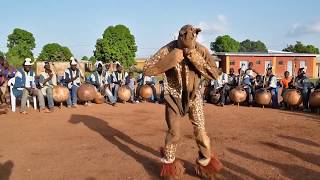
(182, 96)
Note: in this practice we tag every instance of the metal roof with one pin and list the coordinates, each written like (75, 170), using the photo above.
(266, 54)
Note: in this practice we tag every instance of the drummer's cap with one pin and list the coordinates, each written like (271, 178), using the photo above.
(45, 63)
(301, 70)
(73, 61)
(27, 62)
(98, 63)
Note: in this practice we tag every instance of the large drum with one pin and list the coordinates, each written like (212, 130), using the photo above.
(124, 93)
(262, 97)
(314, 100)
(146, 91)
(86, 92)
(60, 93)
(292, 97)
(99, 99)
(238, 95)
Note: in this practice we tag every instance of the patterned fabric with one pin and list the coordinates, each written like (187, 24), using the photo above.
(200, 58)
(182, 94)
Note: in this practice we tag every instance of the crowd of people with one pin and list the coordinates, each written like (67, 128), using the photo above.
(252, 81)
(105, 81)
(108, 82)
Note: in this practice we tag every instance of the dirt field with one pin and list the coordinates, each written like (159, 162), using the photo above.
(104, 142)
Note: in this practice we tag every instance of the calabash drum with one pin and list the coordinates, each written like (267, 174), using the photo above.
(124, 93)
(60, 93)
(314, 100)
(262, 97)
(146, 91)
(99, 99)
(238, 95)
(292, 97)
(86, 92)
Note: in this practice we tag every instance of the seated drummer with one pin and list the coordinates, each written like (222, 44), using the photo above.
(24, 86)
(272, 86)
(259, 82)
(72, 79)
(248, 86)
(147, 80)
(130, 82)
(228, 85)
(216, 85)
(303, 84)
(151, 81)
(140, 82)
(6, 73)
(47, 81)
(118, 79)
(101, 79)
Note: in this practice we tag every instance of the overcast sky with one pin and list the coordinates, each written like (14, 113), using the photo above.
(78, 23)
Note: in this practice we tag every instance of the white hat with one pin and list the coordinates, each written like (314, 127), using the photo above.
(97, 64)
(27, 62)
(73, 61)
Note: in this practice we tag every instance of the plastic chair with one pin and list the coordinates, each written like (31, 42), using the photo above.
(13, 99)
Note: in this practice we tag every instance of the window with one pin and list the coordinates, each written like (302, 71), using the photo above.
(280, 62)
(267, 64)
(303, 65)
(257, 61)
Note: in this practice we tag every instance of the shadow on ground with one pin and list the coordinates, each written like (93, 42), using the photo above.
(291, 171)
(6, 170)
(112, 135)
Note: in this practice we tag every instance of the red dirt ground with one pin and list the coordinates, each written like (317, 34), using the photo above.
(105, 142)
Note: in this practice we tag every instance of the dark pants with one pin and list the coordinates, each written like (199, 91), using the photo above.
(249, 91)
(305, 97)
(225, 93)
(154, 92)
(274, 97)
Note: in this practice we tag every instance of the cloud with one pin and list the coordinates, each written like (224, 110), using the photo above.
(218, 25)
(299, 29)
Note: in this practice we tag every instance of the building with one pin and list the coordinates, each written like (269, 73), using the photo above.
(279, 61)
(140, 63)
(318, 66)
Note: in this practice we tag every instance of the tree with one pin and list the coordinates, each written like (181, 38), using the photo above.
(54, 52)
(92, 59)
(1, 54)
(85, 58)
(20, 45)
(225, 44)
(252, 46)
(116, 44)
(300, 48)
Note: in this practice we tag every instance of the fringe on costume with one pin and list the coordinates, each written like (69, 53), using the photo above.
(209, 170)
(171, 171)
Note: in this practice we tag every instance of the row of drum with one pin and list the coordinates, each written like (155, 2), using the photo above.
(87, 92)
(263, 96)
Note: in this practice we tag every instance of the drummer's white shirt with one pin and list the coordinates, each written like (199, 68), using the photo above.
(74, 73)
(28, 79)
(100, 78)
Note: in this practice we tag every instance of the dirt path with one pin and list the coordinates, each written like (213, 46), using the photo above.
(104, 142)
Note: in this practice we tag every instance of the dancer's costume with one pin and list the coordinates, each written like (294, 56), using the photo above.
(183, 62)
